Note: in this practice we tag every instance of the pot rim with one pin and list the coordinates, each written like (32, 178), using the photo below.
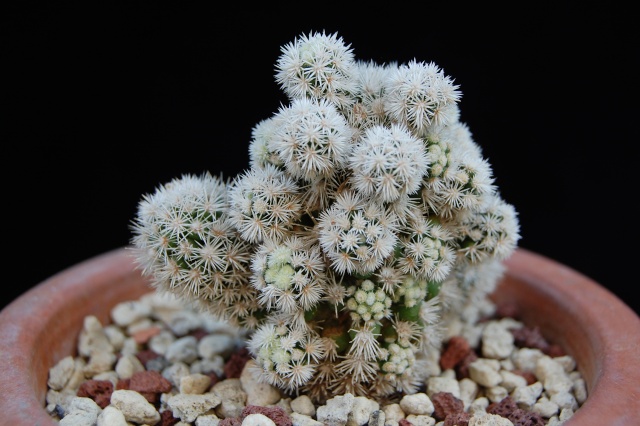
(613, 326)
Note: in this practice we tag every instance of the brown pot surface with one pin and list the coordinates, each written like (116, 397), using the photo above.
(593, 326)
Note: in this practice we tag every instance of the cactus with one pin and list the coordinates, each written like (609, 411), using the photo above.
(367, 217)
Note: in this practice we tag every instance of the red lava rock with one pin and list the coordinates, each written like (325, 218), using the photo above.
(528, 375)
(462, 368)
(122, 384)
(529, 337)
(142, 336)
(445, 404)
(277, 414)
(457, 419)
(199, 333)
(521, 417)
(457, 348)
(167, 419)
(146, 356)
(149, 384)
(230, 421)
(98, 390)
(503, 408)
(404, 422)
(234, 366)
(149, 381)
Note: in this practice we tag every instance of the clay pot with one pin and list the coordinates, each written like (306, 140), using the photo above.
(592, 325)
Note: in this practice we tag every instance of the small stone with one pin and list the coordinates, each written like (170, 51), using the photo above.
(336, 411)
(232, 398)
(60, 373)
(393, 413)
(445, 404)
(303, 405)
(456, 419)
(234, 366)
(188, 407)
(257, 420)
(456, 349)
(195, 383)
(497, 341)
(81, 411)
(275, 414)
(98, 390)
(258, 393)
(135, 407)
(418, 404)
(111, 416)
(142, 336)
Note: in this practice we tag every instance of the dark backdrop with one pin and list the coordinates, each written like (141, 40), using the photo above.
(100, 104)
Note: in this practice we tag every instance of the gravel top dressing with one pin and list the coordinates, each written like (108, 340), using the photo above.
(161, 362)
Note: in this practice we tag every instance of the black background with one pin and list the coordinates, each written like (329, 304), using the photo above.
(102, 103)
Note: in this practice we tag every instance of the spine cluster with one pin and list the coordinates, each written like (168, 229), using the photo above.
(366, 212)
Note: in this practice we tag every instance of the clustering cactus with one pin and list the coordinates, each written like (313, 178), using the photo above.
(367, 213)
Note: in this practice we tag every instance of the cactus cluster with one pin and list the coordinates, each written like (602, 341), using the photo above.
(366, 214)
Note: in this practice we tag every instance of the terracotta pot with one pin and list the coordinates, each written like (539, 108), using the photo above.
(595, 327)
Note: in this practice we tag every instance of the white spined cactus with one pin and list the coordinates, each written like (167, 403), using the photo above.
(421, 95)
(290, 275)
(264, 203)
(317, 66)
(184, 240)
(356, 233)
(387, 163)
(368, 218)
(313, 139)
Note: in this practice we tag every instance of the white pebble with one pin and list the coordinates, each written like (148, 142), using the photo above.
(126, 313)
(99, 362)
(526, 396)
(336, 411)
(176, 371)
(485, 419)
(60, 373)
(257, 419)
(207, 420)
(417, 404)
(443, 384)
(258, 393)
(301, 420)
(216, 344)
(92, 337)
(526, 359)
(303, 405)
(511, 381)
(111, 416)
(161, 342)
(545, 408)
(485, 372)
(361, 410)
(420, 420)
(496, 393)
(195, 384)
(184, 349)
(189, 407)
(135, 407)
(81, 412)
(393, 413)
(497, 341)
(127, 365)
(232, 398)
